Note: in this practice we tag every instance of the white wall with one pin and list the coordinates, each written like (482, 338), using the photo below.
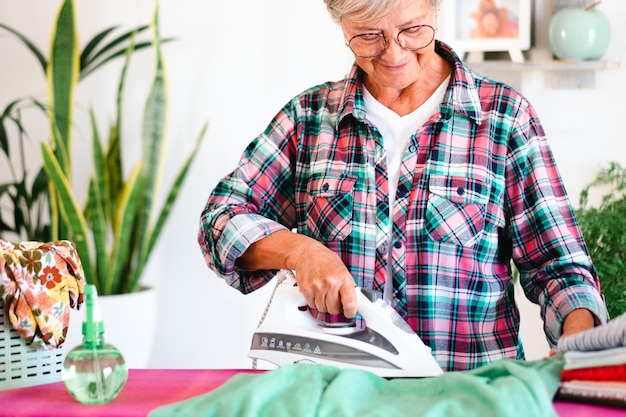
(234, 64)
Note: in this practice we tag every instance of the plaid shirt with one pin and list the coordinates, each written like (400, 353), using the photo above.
(478, 187)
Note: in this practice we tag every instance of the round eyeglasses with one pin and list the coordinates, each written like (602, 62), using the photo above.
(371, 45)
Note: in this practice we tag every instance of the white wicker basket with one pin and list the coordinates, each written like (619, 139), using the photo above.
(20, 364)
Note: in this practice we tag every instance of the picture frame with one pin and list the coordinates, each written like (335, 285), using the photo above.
(471, 26)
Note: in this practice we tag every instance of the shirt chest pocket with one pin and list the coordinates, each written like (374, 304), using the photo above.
(329, 206)
(456, 209)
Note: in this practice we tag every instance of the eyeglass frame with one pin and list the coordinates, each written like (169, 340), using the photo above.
(386, 40)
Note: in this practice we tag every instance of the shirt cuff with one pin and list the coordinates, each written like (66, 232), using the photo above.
(568, 300)
(240, 232)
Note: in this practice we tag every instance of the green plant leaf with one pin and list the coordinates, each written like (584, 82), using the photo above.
(101, 175)
(92, 59)
(18, 215)
(88, 50)
(62, 159)
(107, 52)
(169, 202)
(114, 153)
(153, 140)
(63, 72)
(40, 185)
(4, 140)
(38, 228)
(40, 57)
(120, 43)
(8, 115)
(98, 205)
(114, 170)
(126, 213)
(70, 211)
(62, 76)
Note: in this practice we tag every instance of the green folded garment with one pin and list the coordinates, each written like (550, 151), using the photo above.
(503, 388)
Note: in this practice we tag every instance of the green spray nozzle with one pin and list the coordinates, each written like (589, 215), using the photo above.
(93, 326)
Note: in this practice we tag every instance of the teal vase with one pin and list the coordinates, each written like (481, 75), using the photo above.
(579, 35)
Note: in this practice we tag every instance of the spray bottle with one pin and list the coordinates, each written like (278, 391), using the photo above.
(94, 372)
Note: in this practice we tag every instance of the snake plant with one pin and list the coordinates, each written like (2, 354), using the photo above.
(116, 231)
(24, 198)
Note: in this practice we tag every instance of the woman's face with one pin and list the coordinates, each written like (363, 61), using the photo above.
(396, 67)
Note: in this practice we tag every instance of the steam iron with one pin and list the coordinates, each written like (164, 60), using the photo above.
(387, 346)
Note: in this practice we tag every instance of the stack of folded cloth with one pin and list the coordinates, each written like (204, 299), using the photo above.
(595, 365)
(39, 283)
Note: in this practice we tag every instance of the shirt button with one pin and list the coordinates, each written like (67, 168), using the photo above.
(460, 191)
(325, 187)
(397, 245)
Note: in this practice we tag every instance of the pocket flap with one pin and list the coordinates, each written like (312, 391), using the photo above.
(460, 190)
(326, 186)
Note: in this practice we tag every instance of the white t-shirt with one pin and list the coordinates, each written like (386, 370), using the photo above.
(397, 131)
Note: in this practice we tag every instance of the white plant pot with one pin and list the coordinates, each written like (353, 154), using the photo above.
(129, 324)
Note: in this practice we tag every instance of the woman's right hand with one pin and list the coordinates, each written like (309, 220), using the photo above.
(323, 279)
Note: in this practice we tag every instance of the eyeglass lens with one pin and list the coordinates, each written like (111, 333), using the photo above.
(369, 45)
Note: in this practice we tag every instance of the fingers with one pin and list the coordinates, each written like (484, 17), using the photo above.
(324, 280)
(329, 294)
(340, 301)
(320, 301)
(348, 300)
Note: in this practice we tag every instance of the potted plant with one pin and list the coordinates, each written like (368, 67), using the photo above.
(603, 228)
(117, 228)
(25, 198)
(115, 232)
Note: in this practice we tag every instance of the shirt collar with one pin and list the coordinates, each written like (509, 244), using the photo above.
(353, 103)
(461, 97)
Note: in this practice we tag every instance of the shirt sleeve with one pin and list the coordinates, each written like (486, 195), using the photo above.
(547, 246)
(250, 203)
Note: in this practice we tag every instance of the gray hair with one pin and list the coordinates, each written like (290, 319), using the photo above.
(364, 9)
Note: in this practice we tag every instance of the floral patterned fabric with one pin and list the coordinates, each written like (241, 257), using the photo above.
(39, 283)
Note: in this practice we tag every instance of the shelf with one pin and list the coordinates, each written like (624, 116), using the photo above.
(557, 74)
(548, 66)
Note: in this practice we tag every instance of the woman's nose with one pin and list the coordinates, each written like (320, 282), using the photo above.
(393, 48)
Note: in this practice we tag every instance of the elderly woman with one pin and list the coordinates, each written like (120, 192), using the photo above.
(414, 176)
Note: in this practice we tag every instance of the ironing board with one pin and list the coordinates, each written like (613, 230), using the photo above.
(148, 389)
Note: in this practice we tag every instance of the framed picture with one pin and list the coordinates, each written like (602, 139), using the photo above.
(486, 26)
